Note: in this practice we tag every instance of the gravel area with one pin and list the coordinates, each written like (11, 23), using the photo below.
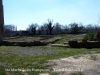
(29, 51)
(36, 51)
(84, 64)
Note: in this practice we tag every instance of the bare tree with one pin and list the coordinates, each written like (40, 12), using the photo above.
(65, 29)
(57, 28)
(50, 26)
(43, 29)
(90, 28)
(32, 28)
(9, 28)
(97, 28)
(75, 28)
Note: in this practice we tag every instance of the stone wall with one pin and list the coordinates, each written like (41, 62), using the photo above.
(84, 44)
(22, 43)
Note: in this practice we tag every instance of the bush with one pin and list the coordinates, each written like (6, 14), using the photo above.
(89, 36)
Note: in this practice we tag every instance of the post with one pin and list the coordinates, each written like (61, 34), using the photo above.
(1, 22)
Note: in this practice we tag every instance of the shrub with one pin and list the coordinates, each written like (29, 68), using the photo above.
(89, 36)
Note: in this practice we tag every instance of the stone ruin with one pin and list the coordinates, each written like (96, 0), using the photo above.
(85, 43)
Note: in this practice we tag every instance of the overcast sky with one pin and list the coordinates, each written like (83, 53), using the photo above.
(24, 12)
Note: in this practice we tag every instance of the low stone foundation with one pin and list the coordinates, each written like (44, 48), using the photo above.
(34, 43)
(85, 44)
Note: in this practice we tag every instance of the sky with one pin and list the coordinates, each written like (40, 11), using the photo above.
(22, 13)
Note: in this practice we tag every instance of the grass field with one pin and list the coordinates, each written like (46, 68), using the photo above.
(66, 38)
(35, 57)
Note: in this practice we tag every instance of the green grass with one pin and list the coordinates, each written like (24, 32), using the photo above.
(11, 60)
(2, 70)
(66, 38)
(77, 73)
(22, 38)
(52, 39)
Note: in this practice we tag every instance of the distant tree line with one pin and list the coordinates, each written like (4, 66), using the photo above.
(49, 28)
(9, 29)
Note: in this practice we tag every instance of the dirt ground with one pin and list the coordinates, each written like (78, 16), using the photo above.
(86, 64)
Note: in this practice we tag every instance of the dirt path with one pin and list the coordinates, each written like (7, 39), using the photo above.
(86, 64)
